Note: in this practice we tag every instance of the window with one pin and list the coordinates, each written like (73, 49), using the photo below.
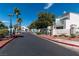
(61, 27)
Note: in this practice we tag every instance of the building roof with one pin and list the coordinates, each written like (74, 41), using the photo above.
(67, 13)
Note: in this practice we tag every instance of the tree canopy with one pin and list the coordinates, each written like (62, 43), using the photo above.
(2, 25)
(44, 19)
(17, 12)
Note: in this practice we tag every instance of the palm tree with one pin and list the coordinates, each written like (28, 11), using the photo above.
(15, 28)
(10, 15)
(19, 21)
(17, 12)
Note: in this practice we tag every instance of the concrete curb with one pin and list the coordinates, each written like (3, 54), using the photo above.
(59, 41)
(64, 43)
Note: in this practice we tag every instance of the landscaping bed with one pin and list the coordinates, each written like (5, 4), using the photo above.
(63, 37)
(4, 42)
(7, 39)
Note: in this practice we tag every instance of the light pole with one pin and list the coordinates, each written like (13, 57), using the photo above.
(10, 26)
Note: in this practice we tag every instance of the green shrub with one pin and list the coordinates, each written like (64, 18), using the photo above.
(73, 35)
(41, 33)
(38, 33)
(55, 35)
(63, 35)
(4, 32)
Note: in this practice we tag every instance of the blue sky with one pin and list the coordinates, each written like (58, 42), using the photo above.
(29, 11)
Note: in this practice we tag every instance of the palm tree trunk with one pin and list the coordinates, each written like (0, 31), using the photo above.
(17, 22)
(20, 26)
(17, 16)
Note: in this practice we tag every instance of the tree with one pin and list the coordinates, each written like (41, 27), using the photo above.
(15, 28)
(43, 21)
(3, 30)
(3, 26)
(19, 21)
(32, 25)
(17, 13)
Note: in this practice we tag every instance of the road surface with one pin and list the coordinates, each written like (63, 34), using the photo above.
(31, 45)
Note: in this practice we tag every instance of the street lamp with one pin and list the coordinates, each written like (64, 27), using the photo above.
(10, 26)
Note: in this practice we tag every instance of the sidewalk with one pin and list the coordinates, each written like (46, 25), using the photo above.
(63, 41)
(4, 41)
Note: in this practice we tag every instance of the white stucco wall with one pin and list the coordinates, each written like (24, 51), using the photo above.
(74, 19)
(61, 31)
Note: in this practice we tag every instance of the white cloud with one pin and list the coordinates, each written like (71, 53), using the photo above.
(48, 5)
(5, 21)
(64, 12)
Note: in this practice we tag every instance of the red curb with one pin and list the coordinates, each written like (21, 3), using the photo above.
(59, 42)
(67, 43)
(7, 42)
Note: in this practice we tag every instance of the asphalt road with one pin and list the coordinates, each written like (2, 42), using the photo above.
(30, 45)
